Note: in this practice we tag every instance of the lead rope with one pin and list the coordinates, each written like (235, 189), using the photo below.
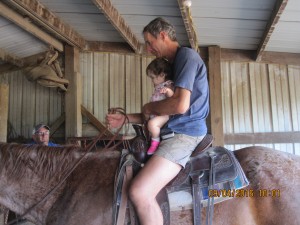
(67, 174)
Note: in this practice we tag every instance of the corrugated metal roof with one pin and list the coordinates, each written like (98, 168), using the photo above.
(17, 41)
(233, 24)
(286, 38)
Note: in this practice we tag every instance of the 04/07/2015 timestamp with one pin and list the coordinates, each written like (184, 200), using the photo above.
(240, 193)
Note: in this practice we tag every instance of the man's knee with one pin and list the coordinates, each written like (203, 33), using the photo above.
(136, 194)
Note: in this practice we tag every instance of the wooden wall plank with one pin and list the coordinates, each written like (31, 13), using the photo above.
(265, 94)
(279, 100)
(29, 107)
(246, 98)
(254, 93)
(263, 137)
(4, 96)
(294, 93)
(87, 70)
(73, 97)
(273, 99)
(234, 96)
(133, 84)
(117, 80)
(147, 86)
(15, 100)
(227, 101)
(55, 105)
(101, 85)
(42, 109)
(285, 98)
(214, 76)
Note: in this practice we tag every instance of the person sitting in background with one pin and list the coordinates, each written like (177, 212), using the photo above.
(41, 134)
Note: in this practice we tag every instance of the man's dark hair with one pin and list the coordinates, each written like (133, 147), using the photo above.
(160, 65)
(158, 25)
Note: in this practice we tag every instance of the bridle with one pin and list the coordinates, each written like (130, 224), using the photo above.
(88, 148)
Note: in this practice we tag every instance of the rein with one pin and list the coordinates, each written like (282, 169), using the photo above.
(88, 149)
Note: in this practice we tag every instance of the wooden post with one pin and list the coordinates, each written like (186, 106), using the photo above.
(73, 96)
(4, 92)
(216, 115)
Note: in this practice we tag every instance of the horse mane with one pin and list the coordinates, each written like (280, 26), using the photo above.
(45, 162)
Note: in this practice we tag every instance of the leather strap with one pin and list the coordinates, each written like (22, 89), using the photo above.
(203, 145)
(124, 196)
(196, 199)
(196, 204)
(210, 204)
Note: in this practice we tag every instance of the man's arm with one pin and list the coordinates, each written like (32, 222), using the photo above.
(179, 103)
(116, 120)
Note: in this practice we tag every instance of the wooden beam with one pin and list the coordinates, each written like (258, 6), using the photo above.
(277, 11)
(267, 57)
(27, 61)
(188, 23)
(95, 46)
(29, 27)
(262, 138)
(216, 113)
(11, 59)
(44, 17)
(119, 23)
(57, 123)
(74, 94)
(4, 94)
(95, 121)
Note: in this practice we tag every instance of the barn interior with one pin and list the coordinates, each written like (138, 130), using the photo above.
(96, 57)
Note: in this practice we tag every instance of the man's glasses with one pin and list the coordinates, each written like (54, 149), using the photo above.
(42, 133)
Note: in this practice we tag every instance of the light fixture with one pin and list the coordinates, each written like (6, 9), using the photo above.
(187, 3)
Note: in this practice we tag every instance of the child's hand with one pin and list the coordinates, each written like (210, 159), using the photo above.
(167, 91)
(164, 90)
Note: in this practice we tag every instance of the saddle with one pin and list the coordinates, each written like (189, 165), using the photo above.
(209, 169)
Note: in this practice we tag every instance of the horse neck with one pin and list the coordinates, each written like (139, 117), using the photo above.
(22, 185)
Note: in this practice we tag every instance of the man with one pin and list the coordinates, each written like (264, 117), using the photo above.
(41, 134)
(188, 109)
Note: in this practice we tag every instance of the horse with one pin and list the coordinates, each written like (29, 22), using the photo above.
(34, 183)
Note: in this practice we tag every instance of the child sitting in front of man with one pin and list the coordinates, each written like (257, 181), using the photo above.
(160, 72)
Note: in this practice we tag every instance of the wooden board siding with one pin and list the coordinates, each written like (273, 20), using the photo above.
(119, 80)
(261, 98)
(30, 104)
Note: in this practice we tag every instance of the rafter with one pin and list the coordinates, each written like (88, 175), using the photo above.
(119, 23)
(44, 17)
(11, 59)
(29, 27)
(188, 23)
(277, 12)
(26, 61)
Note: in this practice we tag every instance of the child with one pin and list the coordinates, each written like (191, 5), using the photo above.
(159, 70)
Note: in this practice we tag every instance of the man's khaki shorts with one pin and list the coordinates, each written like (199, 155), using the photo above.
(179, 148)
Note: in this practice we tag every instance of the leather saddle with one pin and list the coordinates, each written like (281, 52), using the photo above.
(199, 167)
(208, 168)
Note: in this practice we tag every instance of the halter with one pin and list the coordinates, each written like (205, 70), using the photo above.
(87, 149)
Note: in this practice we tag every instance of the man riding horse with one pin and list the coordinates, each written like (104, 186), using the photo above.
(187, 108)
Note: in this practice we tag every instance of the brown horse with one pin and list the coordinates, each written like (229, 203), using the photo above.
(29, 173)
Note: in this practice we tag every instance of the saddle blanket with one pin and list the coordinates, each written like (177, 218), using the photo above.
(183, 199)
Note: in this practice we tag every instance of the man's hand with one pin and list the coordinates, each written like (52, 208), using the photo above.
(145, 112)
(115, 120)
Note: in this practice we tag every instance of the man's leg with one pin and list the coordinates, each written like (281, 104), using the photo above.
(156, 174)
